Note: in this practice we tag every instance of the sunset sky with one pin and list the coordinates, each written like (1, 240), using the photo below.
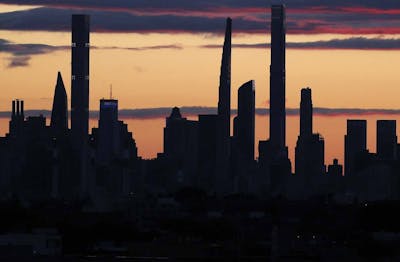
(167, 53)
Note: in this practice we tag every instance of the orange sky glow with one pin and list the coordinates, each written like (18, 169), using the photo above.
(188, 75)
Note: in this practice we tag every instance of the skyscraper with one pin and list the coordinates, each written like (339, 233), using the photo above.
(310, 148)
(386, 139)
(245, 120)
(174, 135)
(306, 113)
(224, 102)
(224, 113)
(242, 143)
(80, 80)
(207, 146)
(108, 130)
(273, 154)
(277, 78)
(355, 144)
(80, 100)
(59, 113)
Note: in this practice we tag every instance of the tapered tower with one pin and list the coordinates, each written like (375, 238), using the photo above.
(224, 102)
(59, 113)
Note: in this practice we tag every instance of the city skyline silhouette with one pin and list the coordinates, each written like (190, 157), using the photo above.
(84, 190)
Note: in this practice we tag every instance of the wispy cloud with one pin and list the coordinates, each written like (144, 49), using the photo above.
(346, 43)
(162, 112)
(22, 53)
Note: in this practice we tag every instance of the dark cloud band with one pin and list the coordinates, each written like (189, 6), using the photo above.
(206, 16)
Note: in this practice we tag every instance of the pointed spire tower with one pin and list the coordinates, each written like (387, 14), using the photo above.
(224, 103)
(222, 183)
(59, 113)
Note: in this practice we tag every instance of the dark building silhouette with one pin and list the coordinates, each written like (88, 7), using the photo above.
(386, 139)
(80, 80)
(224, 102)
(17, 118)
(306, 113)
(244, 125)
(335, 169)
(274, 164)
(80, 98)
(207, 143)
(242, 143)
(174, 135)
(59, 113)
(222, 181)
(277, 78)
(107, 145)
(355, 145)
(310, 148)
(180, 147)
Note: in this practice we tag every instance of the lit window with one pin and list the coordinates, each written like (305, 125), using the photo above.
(73, 77)
(87, 44)
(73, 44)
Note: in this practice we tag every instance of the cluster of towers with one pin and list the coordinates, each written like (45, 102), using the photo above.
(39, 161)
(54, 162)
(207, 156)
(225, 164)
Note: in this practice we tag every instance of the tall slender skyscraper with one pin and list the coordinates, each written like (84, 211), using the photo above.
(80, 100)
(80, 80)
(224, 102)
(273, 153)
(224, 113)
(59, 113)
(277, 78)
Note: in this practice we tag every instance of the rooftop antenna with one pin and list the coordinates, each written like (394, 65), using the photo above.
(110, 91)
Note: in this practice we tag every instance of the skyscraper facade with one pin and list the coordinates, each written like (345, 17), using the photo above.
(224, 102)
(108, 131)
(224, 113)
(59, 113)
(80, 80)
(355, 144)
(277, 78)
(306, 113)
(245, 120)
(80, 100)
(310, 148)
(386, 139)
